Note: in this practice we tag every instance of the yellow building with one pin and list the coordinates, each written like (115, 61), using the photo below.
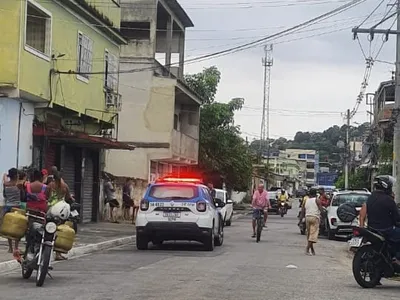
(59, 99)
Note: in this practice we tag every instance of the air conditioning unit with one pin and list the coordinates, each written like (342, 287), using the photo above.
(113, 101)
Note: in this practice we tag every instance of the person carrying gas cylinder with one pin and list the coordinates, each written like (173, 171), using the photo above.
(58, 191)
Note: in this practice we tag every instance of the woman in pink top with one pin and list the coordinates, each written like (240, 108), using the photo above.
(260, 202)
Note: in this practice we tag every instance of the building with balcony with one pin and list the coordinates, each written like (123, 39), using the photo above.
(59, 99)
(161, 113)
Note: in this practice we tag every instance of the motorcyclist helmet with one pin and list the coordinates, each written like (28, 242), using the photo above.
(384, 183)
(60, 210)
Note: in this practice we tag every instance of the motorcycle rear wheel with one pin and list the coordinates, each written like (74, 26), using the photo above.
(364, 259)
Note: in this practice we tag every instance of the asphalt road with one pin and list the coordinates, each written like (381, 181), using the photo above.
(240, 269)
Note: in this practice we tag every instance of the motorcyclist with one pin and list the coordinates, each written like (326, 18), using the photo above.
(382, 212)
(323, 198)
(283, 197)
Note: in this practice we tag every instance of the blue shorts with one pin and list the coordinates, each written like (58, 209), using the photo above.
(7, 209)
(255, 213)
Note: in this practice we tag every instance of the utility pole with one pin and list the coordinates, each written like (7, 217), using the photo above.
(396, 137)
(267, 63)
(346, 152)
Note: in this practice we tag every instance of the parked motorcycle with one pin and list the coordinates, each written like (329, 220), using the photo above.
(40, 238)
(373, 258)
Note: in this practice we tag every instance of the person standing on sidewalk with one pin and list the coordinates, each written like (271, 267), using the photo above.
(12, 197)
(127, 201)
(312, 210)
(137, 196)
(111, 199)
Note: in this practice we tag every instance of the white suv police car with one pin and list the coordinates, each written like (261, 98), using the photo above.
(179, 209)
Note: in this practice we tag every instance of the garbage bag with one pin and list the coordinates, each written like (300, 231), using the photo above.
(347, 212)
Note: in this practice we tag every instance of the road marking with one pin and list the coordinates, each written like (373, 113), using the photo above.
(291, 267)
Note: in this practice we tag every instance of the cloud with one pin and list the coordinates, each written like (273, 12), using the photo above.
(313, 70)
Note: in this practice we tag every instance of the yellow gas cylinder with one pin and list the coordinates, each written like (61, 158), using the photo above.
(65, 239)
(14, 225)
(70, 224)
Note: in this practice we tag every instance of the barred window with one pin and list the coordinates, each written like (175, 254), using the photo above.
(85, 55)
(111, 69)
(38, 30)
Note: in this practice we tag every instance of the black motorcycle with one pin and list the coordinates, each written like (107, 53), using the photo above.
(40, 239)
(373, 258)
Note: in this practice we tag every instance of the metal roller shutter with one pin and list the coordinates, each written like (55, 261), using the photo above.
(87, 202)
(68, 171)
(50, 153)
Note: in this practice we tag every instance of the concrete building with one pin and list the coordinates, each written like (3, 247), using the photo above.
(53, 110)
(308, 160)
(161, 113)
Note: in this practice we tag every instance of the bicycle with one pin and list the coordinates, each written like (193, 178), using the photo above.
(259, 223)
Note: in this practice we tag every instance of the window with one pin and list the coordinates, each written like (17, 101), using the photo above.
(358, 199)
(310, 165)
(136, 30)
(173, 192)
(302, 156)
(310, 156)
(111, 71)
(310, 175)
(38, 30)
(220, 195)
(85, 55)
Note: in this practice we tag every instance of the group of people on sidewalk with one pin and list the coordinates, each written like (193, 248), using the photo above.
(130, 199)
(35, 190)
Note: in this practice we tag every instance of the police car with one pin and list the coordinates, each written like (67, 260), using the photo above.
(179, 209)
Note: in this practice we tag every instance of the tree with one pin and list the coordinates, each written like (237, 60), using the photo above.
(205, 83)
(358, 180)
(221, 148)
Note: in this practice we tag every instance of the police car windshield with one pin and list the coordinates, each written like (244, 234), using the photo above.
(173, 192)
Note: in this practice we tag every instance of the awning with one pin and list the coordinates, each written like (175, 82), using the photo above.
(80, 139)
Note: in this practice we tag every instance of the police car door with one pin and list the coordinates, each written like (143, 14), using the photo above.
(213, 209)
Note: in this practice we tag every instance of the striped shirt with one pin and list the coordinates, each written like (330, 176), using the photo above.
(12, 196)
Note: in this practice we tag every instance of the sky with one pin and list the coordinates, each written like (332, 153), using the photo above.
(317, 72)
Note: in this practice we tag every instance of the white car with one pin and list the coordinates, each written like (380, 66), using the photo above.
(333, 225)
(179, 209)
(227, 210)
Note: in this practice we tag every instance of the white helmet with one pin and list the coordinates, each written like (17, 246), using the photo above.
(60, 210)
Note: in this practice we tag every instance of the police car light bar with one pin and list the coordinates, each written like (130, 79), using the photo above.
(177, 179)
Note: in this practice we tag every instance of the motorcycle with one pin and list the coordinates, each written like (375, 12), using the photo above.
(282, 208)
(373, 257)
(302, 223)
(40, 239)
(39, 246)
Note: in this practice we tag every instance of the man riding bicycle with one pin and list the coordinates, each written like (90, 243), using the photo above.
(260, 202)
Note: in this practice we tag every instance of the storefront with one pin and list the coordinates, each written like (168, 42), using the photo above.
(78, 157)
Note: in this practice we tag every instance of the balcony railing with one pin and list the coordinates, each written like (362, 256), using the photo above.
(184, 146)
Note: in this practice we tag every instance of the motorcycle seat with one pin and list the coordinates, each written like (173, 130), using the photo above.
(373, 233)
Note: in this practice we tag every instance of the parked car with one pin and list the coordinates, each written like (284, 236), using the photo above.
(227, 210)
(334, 226)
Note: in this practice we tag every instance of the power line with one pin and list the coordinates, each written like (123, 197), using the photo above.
(248, 45)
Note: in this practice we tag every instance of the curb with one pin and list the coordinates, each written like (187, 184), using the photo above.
(76, 252)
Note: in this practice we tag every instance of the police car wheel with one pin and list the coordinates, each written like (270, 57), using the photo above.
(142, 242)
(209, 241)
